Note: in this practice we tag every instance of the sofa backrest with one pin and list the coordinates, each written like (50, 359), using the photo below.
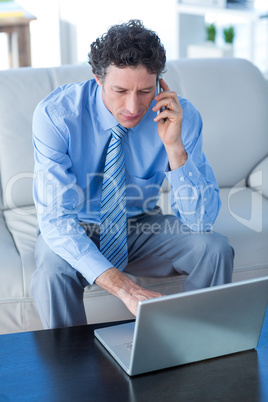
(232, 97)
(20, 92)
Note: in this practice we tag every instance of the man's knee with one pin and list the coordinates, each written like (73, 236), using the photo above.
(210, 252)
(210, 261)
(216, 244)
(222, 250)
(220, 254)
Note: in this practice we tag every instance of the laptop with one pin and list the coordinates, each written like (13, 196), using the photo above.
(188, 327)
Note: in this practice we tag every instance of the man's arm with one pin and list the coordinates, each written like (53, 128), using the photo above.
(170, 126)
(58, 197)
(121, 286)
(194, 190)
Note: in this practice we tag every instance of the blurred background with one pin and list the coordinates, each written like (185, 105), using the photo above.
(63, 30)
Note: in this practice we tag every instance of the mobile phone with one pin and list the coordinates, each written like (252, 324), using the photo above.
(159, 89)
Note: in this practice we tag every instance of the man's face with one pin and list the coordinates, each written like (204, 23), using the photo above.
(127, 93)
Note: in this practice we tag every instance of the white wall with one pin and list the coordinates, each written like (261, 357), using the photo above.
(45, 40)
(91, 19)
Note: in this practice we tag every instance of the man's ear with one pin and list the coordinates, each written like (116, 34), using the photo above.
(98, 80)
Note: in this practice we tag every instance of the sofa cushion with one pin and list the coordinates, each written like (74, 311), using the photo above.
(22, 224)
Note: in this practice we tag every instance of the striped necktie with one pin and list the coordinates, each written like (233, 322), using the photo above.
(113, 225)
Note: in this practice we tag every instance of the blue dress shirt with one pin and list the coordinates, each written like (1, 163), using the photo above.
(71, 132)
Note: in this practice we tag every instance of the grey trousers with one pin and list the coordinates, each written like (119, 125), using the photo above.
(158, 246)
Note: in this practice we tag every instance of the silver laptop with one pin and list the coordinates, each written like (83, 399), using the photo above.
(189, 327)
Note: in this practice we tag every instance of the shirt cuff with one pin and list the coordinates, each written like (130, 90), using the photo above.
(186, 174)
(92, 266)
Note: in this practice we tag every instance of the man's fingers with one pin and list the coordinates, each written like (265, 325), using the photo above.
(148, 296)
(164, 85)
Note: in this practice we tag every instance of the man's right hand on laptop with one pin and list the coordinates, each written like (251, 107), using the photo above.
(120, 285)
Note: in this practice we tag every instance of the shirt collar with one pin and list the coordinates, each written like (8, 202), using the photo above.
(105, 117)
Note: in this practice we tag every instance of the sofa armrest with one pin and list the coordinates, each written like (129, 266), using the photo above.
(258, 177)
(11, 276)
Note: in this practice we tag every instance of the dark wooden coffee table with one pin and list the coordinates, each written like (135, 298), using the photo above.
(70, 365)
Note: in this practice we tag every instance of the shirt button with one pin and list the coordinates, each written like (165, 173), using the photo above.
(182, 178)
(204, 199)
(190, 173)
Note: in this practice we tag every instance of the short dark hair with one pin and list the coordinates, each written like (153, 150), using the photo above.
(127, 45)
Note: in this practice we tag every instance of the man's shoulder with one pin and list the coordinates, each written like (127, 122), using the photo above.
(191, 115)
(68, 98)
(187, 106)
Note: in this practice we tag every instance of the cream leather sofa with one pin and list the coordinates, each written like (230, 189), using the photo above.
(231, 95)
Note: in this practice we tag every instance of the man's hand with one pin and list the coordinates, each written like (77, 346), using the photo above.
(120, 285)
(170, 124)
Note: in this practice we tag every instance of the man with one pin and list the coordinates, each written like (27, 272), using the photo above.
(79, 132)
